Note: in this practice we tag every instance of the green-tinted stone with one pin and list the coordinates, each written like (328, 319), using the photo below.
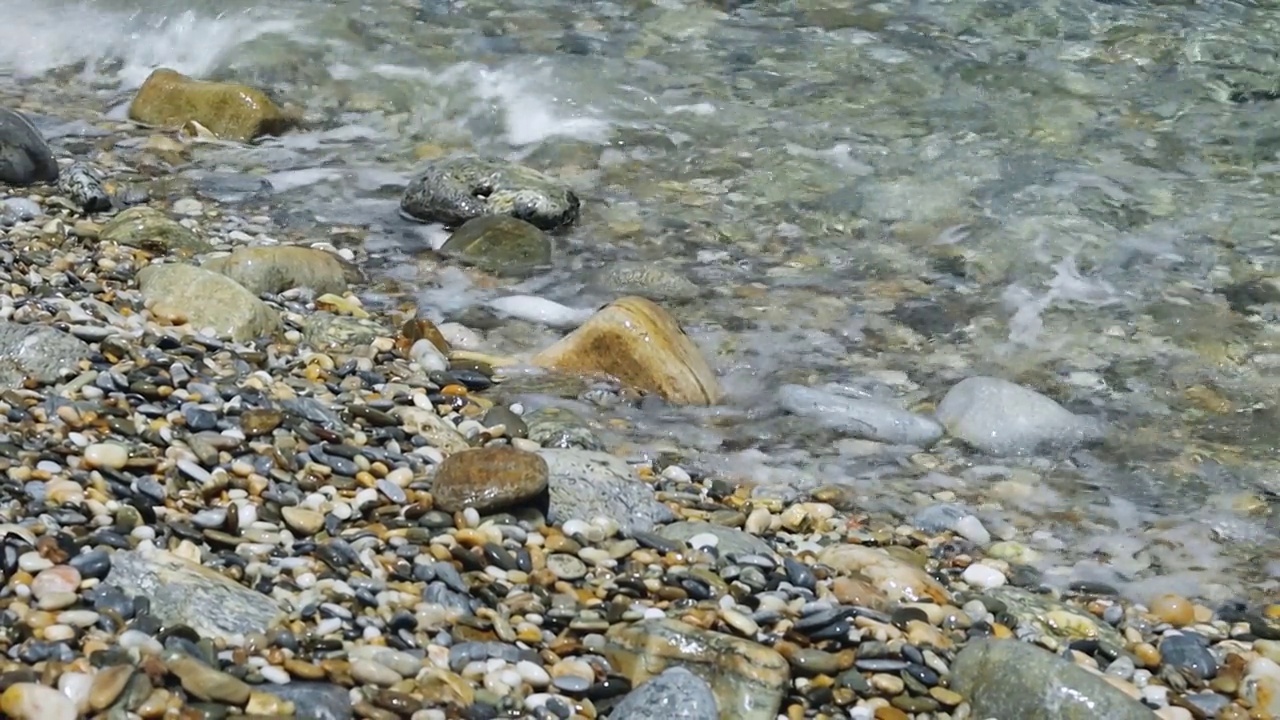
(499, 244)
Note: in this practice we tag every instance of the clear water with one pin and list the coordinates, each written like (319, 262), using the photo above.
(1046, 191)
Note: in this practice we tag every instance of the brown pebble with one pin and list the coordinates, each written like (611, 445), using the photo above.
(488, 478)
(107, 685)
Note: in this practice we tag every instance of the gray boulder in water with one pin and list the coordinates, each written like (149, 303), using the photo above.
(454, 191)
(25, 157)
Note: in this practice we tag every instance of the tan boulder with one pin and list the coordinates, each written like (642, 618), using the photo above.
(231, 111)
(181, 294)
(276, 268)
(639, 343)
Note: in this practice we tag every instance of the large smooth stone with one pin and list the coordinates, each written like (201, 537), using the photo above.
(488, 479)
(1004, 418)
(231, 111)
(1012, 679)
(25, 157)
(206, 300)
(860, 417)
(641, 345)
(676, 694)
(272, 269)
(748, 679)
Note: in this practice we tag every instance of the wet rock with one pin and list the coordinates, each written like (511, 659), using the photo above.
(584, 485)
(646, 280)
(232, 112)
(748, 680)
(637, 342)
(207, 683)
(440, 433)
(729, 540)
(675, 694)
(37, 353)
(456, 190)
(1188, 651)
(25, 157)
(860, 417)
(151, 230)
(1003, 418)
(325, 331)
(1012, 679)
(897, 579)
(1261, 685)
(275, 268)
(553, 427)
(181, 293)
(488, 479)
(83, 184)
(316, 700)
(499, 244)
(184, 593)
(30, 701)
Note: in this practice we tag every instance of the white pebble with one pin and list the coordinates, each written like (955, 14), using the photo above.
(972, 530)
(542, 311)
(275, 675)
(38, 702)
(533, 674)
(983, 576)
(428, 356)
(106, 455)
(704, 540)
(32, 562)
(574, 527)
(76, 686)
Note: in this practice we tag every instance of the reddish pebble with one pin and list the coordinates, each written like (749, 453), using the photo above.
(57, 579)
(488, 479)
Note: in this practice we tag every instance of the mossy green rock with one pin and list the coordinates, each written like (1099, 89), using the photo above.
(499, 244)
(151, 230)
(1013, 680)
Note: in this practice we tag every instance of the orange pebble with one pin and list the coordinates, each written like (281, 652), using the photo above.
(453, 391)
(1174, 609)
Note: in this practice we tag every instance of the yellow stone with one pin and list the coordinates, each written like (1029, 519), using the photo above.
(638, 342)
(230, 111)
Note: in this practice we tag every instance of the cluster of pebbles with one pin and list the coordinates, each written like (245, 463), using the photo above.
(340, 522)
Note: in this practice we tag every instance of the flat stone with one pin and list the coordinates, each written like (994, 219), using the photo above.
(1012, 679)
(208, 301)
(499, 244)
(108, 684)
(641, 345)
(455, 190)
(184, 593)
(747, 679)
(488, 479)
(440, 433)
(1003, 418)
(316, 700)
(326, 331)
(151, 230)
(207, 683)
(732, 541)
(898, 580)
(231, 111)
(860, 417)
(674, 694)
(646, 280)
(37, 353)
(25, 157)
(585, 485)
(301, 520)
(272, 269)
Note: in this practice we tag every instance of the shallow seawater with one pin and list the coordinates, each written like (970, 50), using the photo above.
(907, 192)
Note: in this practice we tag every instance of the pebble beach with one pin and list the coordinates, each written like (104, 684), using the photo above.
(262, 465)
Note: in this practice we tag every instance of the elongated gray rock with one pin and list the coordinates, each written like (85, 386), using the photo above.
(184, 593)
(1004, 418)
(25, 157)
(1013, 680)
(860, 417)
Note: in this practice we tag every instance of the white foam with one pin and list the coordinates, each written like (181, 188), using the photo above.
(36, 37)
